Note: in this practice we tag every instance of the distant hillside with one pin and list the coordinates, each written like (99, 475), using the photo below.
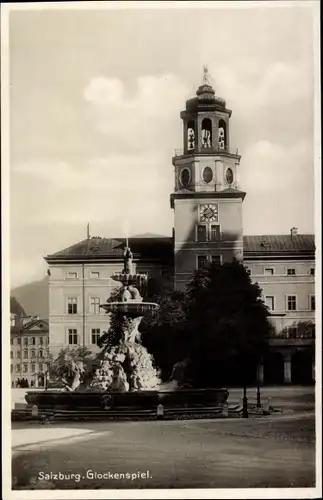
(16, 307)
(33, 297)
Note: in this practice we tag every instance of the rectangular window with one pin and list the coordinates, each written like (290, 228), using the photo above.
(312, 302)
(18, 341)
(72, 336)
(33, 367)
(41, 341)
(72, 305)
(95, 274)
(17, 368)
(26, 341)
(11, 355)
(47, 341)
(25, 367)
(33, 340)
(41, 367)
(95, 305)
(201, 232)
(215, 232)
(33, 353)
(269, 271)
(18, 354)
(25, 353)
(291, 302)
(312, 271)
(71, 275)
(291, 272)
(270, 302)
(40, 354)
(95, 335)
(201, 261)
(216, 259)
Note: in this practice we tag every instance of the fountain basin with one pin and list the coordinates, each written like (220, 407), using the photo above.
(125, 401)
(131, 307)
(127, 279)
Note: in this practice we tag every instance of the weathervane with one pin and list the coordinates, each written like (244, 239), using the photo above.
(206, 76)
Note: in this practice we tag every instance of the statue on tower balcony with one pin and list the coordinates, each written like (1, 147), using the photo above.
(127, 259)
(206, 138)
(191, 139)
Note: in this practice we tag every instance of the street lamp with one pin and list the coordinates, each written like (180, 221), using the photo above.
(245, 402)
(259, 379)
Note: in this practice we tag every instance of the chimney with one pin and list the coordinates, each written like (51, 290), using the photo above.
(293, 231)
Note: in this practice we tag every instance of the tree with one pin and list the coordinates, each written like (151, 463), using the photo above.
(163, 331)
(227, 323)
(300, 329)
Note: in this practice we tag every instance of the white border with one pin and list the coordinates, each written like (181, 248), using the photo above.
(6, 398)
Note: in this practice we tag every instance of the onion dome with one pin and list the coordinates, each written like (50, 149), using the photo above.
(205, 97)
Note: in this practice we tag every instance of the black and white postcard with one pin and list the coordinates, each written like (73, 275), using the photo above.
(161, 224)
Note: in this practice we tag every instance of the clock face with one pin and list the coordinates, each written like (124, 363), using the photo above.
(209, 213)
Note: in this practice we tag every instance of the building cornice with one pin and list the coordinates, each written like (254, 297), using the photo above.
(206, 195)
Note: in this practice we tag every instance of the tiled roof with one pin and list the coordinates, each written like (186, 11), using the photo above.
(143, 247)
(33, 324)
(282, 243)
(152, 247)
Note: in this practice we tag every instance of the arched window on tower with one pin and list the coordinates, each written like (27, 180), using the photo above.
(191, 135)
(206, 133)
(222, 138)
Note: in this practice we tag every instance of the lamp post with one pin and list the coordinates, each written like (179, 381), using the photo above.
(259, 369)
(258, 394)
(245, 402)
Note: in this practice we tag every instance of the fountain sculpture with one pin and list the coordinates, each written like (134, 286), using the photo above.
(132, 365)
(125, 383)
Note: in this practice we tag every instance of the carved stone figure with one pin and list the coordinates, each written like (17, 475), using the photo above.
(119, 381)
(76, 373)
(127, 258)
(178, 372)
(129, 293)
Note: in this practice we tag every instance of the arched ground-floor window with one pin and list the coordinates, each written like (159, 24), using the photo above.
(302, 367)
(273, 368)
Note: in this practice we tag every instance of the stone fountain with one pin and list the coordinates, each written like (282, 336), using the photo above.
(125, 383)
(130, 360)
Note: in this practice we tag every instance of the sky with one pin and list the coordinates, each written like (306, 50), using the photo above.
(94, 104)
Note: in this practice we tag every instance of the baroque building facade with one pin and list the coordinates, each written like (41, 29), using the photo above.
(208, 205)
(29, 350)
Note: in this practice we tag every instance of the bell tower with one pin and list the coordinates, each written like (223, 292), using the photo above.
(207, 201)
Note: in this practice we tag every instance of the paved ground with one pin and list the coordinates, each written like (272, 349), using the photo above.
(267, 452)
(275, 451)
